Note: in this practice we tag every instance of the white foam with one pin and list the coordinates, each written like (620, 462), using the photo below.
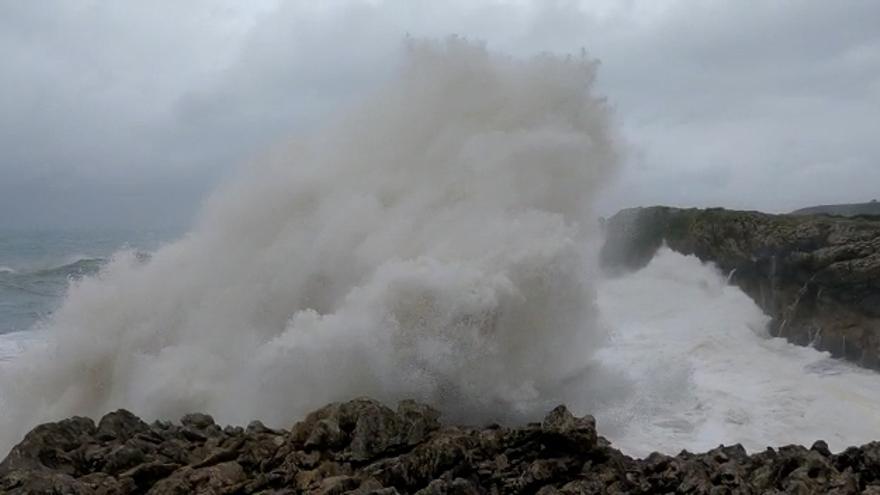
(12, 344)
(701, 370)
(430, 246)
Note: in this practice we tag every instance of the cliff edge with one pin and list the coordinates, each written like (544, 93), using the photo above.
(871, 208)
(818, 277)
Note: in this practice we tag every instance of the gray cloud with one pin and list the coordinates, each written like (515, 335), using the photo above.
(127, 113)
(86, 103)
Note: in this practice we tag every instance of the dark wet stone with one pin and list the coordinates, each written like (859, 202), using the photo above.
(363, 447)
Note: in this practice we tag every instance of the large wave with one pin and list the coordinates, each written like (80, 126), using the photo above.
(431, 244)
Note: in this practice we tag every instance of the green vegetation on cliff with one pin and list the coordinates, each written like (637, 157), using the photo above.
(871, 208)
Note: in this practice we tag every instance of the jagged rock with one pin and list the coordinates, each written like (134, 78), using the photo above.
(577, 434)
(222, 478)
(871, 208)
(365, 448)
(367, 427)
(198, 421)
(147, 474)
(51, 447)
(121, 425)
(818, 277)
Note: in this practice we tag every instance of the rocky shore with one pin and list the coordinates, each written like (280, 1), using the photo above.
(364, 447)
(817, 276)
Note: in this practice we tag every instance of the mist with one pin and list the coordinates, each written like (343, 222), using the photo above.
(431, 244)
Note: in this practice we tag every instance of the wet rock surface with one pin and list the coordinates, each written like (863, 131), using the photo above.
(364, 447)
(817, 276)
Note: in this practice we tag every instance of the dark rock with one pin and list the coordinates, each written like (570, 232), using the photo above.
(50, 446)
(418, 421)
(821, 447)
(122, 458)
(120, 425)
(222, 478)
(871, 208)
(193, 434)
(337, 485)
(198, 421)
(458, 486)
(147, 474)
(368, 428)
(362, 447)
(257, 426)
(576, 434)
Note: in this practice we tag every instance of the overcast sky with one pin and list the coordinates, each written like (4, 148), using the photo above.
(127, 113)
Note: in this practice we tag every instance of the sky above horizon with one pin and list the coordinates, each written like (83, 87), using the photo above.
(128, 114)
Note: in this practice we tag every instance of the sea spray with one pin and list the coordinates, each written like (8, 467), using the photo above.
(430, 244)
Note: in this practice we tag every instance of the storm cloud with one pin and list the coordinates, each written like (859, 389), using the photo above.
(128, 114)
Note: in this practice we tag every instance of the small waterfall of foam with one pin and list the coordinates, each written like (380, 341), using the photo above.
(730, 276)
(815, 337)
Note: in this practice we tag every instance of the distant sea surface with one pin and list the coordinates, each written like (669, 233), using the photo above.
(37, 266)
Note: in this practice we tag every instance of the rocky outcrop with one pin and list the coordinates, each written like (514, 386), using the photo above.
(871, 208)
(363, 447)
(818, 277)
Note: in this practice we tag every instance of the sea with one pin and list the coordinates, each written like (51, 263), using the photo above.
(38, 265)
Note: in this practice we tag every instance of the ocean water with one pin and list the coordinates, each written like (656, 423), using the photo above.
(38, 266)
(437, 243)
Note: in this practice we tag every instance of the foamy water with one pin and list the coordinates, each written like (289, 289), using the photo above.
(700, 370)
(12, 344)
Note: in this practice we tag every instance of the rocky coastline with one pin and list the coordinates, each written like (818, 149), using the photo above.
(817, 276)
(364, 447)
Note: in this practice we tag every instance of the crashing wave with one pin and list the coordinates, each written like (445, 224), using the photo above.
(428, 245)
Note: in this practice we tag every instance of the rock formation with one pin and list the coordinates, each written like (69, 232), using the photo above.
(871, 208)
(363, 447)
(818, 277)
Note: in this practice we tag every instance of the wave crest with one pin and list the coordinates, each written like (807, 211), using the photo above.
(429, 245)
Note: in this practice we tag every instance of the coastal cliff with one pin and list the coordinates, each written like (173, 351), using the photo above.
(818, 277)
(364, 447)
(871, 208)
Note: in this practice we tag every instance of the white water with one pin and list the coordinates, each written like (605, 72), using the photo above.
(429, 245)
(434, 245)
(700, 371)
(13, 344)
